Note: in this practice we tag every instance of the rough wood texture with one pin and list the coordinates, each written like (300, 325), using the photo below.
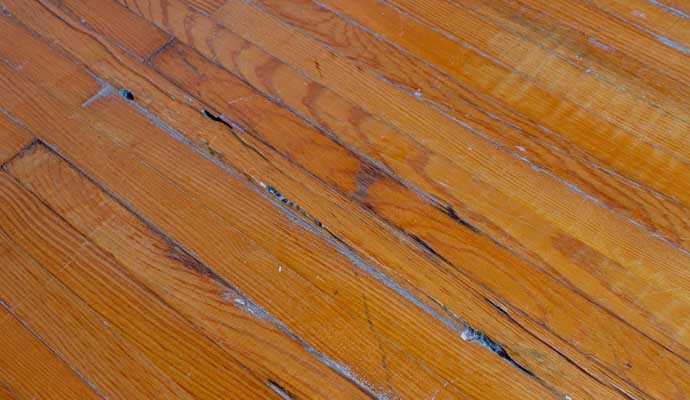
(345, 199)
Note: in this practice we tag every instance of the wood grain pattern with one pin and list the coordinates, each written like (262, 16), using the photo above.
(114, 21)
(529, 190)
(589, 53)
(348, 312)
(30, 370)
(197, 365)
(395, 203)
(13, 138)
(638, 203)
(179, 279)
(77, 332)
(559, 254)
(382, 199)
(590, 132)
(326, 208)
(206, 6)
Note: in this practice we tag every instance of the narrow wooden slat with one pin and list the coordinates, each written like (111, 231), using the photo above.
(83, 338)
(342, 218)
(398, 323)
(116, 22)
(170, 274)
(647, 208)
(31, 369)
(13, 138)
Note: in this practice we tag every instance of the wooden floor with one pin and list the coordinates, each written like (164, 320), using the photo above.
(345, 199)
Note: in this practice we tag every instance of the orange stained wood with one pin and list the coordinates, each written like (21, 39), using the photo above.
(13, 137)
(329, 199)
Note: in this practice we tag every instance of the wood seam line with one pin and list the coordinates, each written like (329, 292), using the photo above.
(50, 348)
(162, 48)
(669, 9)
(21, 152)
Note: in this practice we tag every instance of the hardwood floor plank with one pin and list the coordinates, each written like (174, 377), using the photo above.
(77, 333)
(218, 310)
(635, 202)
(548, 225)
(13, 138)
(117, 23)
(34, 371)
(347, 222)
(328, 271)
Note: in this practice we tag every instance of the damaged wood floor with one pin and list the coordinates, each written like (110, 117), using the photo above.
(345, 199)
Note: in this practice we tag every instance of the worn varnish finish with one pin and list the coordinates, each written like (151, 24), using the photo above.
(345, 199)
